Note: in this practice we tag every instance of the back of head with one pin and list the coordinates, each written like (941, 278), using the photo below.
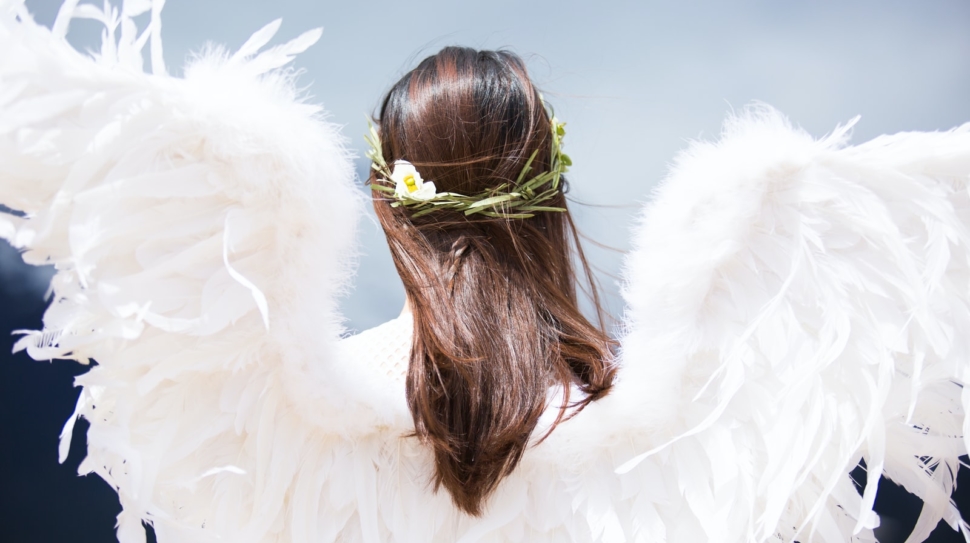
(497, 323)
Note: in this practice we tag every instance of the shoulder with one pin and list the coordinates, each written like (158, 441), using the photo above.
(384, 348)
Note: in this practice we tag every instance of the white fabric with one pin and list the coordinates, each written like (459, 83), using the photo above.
(794, 306)
(385, 349)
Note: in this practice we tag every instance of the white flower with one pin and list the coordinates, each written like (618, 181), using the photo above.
(408, 183)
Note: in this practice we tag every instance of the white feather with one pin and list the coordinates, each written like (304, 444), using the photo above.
(795, 306)
(801, 298)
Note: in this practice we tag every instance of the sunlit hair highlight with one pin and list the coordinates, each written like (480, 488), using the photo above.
(496, 319)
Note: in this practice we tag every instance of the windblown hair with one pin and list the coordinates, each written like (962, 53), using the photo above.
(496, 320)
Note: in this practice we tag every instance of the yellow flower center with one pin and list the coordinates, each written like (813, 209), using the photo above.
(410, 183)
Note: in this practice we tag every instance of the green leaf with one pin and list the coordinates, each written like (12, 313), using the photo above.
(492, 201)
(507, 215)
(381, 188)
(537, 181)
(527, 167)
(548, 193)
(542, 208)
(422, 213)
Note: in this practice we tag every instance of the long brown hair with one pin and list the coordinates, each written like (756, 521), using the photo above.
(496, 319)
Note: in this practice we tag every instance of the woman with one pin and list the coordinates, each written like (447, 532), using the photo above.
(493, 298)
(793, 308)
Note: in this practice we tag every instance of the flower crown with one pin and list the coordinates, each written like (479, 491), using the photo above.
(515, 201)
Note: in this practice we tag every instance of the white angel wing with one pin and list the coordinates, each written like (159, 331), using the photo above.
(796, 306)
(202, 229)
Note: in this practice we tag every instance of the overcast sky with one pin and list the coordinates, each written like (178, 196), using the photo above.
(633, 80)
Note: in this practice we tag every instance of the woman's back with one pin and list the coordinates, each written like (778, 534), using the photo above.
(563, 488)
(793, 308)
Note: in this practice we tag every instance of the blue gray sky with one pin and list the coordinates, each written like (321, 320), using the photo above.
(634, 80)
